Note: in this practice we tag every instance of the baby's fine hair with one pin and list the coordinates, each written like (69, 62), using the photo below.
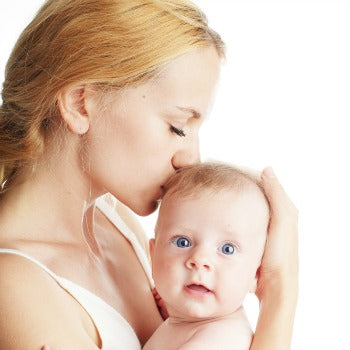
(192, 181)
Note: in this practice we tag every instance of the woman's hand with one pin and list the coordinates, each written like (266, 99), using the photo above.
(160, 303)
(279, 267)
(277, 287)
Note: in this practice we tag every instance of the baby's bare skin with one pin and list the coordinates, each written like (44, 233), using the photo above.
(205, 257)
(229, 332)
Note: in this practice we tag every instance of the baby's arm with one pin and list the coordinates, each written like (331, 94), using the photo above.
(223, 335)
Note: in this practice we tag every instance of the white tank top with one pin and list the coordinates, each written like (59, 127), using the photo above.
(115, 332)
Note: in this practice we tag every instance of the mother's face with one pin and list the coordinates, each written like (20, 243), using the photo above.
(143, 134)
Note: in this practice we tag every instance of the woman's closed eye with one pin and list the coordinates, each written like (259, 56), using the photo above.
(177, 131)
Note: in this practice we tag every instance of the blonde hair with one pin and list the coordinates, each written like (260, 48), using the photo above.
(108, 43)
(211, 177)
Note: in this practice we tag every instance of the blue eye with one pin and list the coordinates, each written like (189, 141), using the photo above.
(182, 242)
(228, 249)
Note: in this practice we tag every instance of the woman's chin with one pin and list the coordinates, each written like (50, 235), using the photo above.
(146, 209)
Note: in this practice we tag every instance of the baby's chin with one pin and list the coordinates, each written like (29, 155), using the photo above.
(202, 313)
(195, 313)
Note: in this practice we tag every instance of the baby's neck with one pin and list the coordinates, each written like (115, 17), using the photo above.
(183, 319)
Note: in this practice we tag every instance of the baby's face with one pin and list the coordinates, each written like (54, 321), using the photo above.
(207, 251)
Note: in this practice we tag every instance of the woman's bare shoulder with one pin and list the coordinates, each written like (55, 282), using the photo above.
(35, 310)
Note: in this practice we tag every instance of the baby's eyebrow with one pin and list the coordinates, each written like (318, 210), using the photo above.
(231, 233)
(195, 114)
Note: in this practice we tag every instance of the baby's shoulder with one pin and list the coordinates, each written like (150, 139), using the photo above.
(227, 333)
(228, 325)
(163, 338)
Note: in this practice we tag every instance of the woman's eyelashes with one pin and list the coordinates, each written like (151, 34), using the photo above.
(177, 131)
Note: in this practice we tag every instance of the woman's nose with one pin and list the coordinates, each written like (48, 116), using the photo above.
(199, 260)
(188, 154)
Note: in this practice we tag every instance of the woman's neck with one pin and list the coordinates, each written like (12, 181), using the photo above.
(51, 203)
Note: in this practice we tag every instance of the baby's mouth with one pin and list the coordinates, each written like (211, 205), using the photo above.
(198, 288)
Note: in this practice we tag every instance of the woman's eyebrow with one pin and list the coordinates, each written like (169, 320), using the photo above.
(195, 114)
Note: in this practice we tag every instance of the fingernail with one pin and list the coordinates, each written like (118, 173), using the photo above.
(268, 172)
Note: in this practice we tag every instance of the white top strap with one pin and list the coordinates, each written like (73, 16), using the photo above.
(109, 211)
(112, 215)
(115, 332)
(24, 255)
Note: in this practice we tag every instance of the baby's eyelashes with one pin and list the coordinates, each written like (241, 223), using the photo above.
(181, 242)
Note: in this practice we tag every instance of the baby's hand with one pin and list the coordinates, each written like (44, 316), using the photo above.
(160, 303)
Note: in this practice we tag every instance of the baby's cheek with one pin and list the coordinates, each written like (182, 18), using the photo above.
(234, 291)
(162, 276)
(234, 301)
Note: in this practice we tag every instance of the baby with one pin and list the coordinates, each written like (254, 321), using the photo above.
(209, 241)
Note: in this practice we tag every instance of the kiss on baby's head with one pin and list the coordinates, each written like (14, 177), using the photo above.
(199, 179)
(210, 238)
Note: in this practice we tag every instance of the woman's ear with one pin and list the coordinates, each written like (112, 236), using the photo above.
(72, 105)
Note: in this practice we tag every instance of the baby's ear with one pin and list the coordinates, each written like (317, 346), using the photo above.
(151, 247)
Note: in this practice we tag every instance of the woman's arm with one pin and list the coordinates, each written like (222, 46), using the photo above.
(278, 275)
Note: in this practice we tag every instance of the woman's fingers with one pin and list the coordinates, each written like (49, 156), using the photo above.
(281, 206)
(160, 303)
(280, 261)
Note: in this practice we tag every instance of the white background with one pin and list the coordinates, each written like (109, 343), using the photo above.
(283, 101)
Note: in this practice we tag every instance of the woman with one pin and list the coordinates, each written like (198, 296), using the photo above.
(107, 96)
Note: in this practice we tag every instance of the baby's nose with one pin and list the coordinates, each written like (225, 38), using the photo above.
(199, 260)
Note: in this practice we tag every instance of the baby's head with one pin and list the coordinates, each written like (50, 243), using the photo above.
(210, 238)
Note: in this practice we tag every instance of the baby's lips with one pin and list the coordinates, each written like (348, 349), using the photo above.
(198, 288)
